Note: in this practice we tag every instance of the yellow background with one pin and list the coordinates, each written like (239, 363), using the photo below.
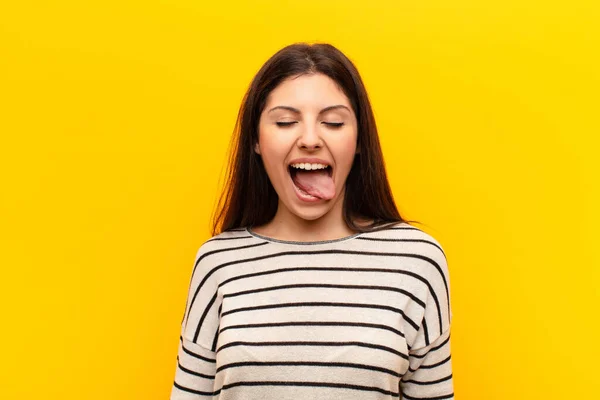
(115, 119)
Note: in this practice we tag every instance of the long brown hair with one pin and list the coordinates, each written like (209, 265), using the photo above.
(249, 199)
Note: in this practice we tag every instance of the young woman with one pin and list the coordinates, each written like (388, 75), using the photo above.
(313, 286)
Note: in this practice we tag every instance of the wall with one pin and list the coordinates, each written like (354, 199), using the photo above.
(115, 119)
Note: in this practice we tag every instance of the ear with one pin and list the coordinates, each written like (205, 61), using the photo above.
(257, 148)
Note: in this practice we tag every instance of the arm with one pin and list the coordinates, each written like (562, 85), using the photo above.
(195, 372)
(196, 357)
(429, 375)
(430, 372)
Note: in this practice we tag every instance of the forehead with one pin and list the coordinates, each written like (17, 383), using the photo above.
(307, 91)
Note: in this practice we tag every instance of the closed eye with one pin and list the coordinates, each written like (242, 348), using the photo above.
(284, 124)
(330, 124)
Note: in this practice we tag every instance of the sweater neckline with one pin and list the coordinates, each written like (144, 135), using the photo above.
(270, 239)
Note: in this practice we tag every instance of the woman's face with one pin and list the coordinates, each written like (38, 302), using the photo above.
(308, 120)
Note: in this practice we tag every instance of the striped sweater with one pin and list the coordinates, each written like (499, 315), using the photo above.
(362, 317)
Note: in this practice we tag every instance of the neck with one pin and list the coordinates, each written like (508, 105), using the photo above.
(289, 226)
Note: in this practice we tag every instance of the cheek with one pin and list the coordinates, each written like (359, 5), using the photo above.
(346, 150)
(273, 149)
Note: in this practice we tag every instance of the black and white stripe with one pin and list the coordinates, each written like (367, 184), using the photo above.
(363, 317)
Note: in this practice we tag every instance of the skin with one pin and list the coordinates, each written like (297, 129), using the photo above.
(308, 136)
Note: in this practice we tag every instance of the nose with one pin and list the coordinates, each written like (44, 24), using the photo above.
(310, 138)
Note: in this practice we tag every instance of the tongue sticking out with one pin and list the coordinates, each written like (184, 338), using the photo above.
(317, 183)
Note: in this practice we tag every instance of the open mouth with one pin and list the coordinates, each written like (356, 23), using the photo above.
(293, 170)
(312, 182)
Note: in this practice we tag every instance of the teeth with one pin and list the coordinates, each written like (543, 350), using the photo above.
(308, 166)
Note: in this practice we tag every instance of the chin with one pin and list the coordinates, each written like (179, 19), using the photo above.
(311, 213)
(310, 216)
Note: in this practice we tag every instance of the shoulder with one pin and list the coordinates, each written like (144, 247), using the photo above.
(426, 258)
(225, 247)
(420, 251)
(224, 241)
(407, 237)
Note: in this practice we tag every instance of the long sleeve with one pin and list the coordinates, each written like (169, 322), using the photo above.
(430, 372)
(195, 373)
(196, 356)
(430, 366)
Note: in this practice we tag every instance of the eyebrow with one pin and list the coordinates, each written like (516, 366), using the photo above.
(295, 110)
